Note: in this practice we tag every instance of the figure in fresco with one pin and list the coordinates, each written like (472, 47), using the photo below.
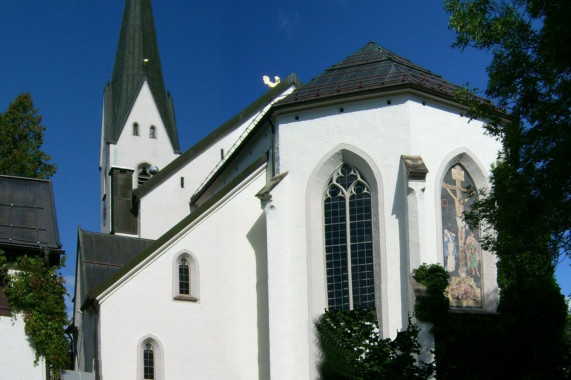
(473, 254)
(461, 249)
(450, 251)
(456, 191)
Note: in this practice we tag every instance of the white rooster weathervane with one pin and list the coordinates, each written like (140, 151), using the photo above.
(271, 84)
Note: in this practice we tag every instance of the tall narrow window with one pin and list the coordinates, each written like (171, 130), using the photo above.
(135, 129)
(153, 132)
(149, 362)
(183, 277)
(348, 241)
(461, 244)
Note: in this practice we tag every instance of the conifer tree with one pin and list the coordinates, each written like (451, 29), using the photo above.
(21, 137)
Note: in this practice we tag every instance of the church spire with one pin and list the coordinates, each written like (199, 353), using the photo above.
(137, 60)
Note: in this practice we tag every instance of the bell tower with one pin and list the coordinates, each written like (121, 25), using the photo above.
(138, 130)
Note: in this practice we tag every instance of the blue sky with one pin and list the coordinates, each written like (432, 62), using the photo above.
(213, 54)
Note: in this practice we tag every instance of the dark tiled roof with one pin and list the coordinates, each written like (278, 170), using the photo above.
(101, 255)
(27, 215)
(371, 69)
(137, 45)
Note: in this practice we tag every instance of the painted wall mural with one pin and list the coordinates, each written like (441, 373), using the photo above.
(461, 247)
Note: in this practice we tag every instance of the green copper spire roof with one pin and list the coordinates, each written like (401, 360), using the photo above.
(137, 60)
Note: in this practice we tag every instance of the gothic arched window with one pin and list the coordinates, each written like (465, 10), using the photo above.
(183, 277)
(461, 244)
(348, 241)
(148, 361)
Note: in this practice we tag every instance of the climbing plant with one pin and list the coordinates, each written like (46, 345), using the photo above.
(36, 291)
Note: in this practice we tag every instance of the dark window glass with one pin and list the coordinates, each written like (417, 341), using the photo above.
(149, 362)
(348, 241)
(183, 277)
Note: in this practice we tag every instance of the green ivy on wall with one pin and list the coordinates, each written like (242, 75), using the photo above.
(37, 292)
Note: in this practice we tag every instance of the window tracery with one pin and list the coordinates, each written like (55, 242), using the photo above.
(348, 240)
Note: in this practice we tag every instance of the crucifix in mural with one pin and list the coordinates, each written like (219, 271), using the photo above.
(462, 251)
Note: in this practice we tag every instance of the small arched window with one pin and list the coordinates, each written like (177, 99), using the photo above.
(149, 361)
(135, 129)
(348, 241)
(153, 132)
(185, 278)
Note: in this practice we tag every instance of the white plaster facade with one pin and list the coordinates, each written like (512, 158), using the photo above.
(18, 356)
(261, 266)
(229, 299)
(254, 234)
(134, 149)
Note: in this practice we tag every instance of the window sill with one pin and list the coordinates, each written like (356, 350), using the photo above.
(184, 297)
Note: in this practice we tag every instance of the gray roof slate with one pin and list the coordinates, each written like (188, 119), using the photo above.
(371, 69)
(101, 255)
(28, 215)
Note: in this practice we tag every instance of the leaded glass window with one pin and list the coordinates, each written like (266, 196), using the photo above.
(348, 240)
(149, 362)
(183, 277)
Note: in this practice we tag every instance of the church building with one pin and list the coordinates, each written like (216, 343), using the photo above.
(215, 262)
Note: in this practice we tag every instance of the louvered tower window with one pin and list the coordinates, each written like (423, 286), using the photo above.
(143, 174)
(348, 241)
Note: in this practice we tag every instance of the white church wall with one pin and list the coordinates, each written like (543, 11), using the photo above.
(16, 355)
(132, 150)
(380, 133)
(166, 214)
(169, 202)
(228, 242)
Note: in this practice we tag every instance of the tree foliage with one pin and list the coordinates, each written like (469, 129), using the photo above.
(434, 306)
(21, 137)
(527, 213)
(530, 77)
(352, 348)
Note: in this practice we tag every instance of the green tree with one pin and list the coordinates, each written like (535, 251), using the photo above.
(352, 349)
(527, 213)
(21, 137)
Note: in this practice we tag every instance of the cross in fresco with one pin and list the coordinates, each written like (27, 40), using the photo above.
(456, 191)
